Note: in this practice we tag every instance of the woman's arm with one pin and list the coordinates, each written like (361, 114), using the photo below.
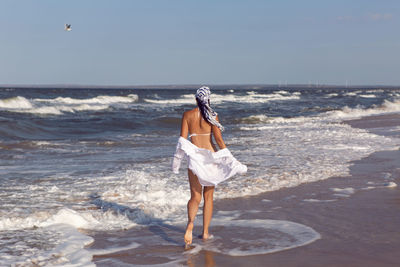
(184, 126)
(218, 136)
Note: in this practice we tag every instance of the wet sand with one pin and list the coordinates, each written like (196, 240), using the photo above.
(358, 226)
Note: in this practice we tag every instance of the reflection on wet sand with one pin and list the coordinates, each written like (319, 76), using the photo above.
(208, 259)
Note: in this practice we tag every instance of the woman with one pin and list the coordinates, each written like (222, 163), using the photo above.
(206, 167)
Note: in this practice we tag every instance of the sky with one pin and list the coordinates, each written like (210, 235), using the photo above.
(162, 42)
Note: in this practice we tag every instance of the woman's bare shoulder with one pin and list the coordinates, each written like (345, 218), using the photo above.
(189, 113)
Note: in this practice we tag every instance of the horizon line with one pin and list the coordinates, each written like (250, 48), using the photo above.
(195, 85)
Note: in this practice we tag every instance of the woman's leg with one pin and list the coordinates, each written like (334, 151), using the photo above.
(193, 205)
(208, 195)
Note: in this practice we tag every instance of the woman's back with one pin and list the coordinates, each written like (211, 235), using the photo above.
(200, 130)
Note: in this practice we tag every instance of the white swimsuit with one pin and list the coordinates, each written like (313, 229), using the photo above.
(195, 134)
(211, 168)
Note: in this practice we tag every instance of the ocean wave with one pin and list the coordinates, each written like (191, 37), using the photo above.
(334, 115)
(304, 149)
(375, 91)
(331, 95)
(255, 119)
(61, 109)
(17, 102)
(292, 152)
(184, 99)
(102, 99)
(121, 192)
(350, 94)
(250, 97)
(64, 244)
(62, 105)
(131, 198)
(301, 151)
(367, 96)
(354, 113)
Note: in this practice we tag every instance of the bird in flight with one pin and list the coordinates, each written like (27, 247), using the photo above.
(67, 27)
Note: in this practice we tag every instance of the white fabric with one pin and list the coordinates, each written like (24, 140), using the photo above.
(210, 167)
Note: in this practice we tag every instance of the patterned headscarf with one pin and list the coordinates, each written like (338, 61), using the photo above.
(203, 101)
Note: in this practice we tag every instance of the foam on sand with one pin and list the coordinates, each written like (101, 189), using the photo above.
(235, 237)
(374, 185)
(110, 250)
(255, 237)
(266, 200)
(343, 192)
(390, 184)
(319, 200)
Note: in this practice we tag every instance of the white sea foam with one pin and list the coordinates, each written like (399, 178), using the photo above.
(255, 237)
(271, 122)
(350, 94)
(282, 92)
(353, 113)
(128, 199)
(46, 218)
(119, 263)
(18, 102)
(250, 97)
(184, 99)
(375, 91)
(368, 188)
(252, 237)
(343, 192)
(390, 184)
(293, 150)
(167, 195)
(319, 200)
(307, 151)
(335, 115)
(102, 99)
(380, 185)
(110, 250)
(55, 245)
(331, 95)
(367, 96)
(61, 105)
(348, 190)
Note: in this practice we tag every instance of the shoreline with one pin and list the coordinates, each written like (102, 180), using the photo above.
(357, 217)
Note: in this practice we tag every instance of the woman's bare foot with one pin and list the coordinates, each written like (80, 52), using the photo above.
(206, 236)
(188, 234)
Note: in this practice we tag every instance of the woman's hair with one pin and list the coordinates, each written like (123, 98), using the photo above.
(203, 102)
(202, 109)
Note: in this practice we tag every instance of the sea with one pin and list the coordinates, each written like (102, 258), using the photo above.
(75, 160)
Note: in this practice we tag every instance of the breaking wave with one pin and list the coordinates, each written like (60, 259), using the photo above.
(61, 105)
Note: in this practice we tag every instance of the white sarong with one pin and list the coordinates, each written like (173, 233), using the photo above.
(211, 168)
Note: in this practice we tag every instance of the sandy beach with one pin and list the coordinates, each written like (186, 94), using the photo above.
(357, 218)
